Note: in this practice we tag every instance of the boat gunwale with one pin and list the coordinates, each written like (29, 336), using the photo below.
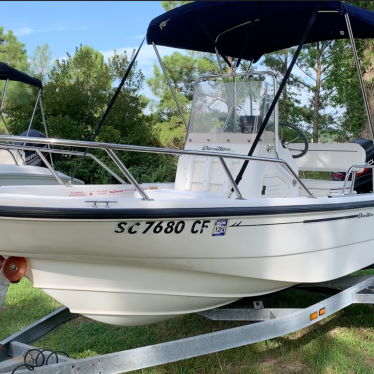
(59, 213)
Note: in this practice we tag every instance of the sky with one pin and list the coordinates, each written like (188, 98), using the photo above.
(103, 25)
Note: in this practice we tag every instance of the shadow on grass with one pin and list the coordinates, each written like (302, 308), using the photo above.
(24, 305)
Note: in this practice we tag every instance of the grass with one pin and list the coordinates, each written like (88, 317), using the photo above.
(342, 343)
(320, 175)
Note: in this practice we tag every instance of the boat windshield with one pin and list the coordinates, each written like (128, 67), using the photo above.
(235, 105)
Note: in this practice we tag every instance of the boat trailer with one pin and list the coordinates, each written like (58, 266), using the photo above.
(271, 323)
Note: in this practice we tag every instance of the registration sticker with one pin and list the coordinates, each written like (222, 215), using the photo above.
(220, 227)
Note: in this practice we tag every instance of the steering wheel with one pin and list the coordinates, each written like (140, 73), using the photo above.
(290, 134)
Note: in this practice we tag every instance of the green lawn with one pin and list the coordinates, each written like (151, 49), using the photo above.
(342, 343)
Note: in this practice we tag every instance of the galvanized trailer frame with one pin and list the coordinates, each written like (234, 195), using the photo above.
(275, 322)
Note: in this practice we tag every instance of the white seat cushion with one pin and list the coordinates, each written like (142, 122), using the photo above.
(330, 156)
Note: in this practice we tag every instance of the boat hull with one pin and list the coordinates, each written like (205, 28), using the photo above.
(133, 295)
(127, 273)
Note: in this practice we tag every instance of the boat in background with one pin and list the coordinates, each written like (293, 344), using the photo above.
(363, 182)
(239, 221)
(28, 165)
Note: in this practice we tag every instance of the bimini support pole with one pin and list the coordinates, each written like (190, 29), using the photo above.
(2, 104)
(43, 117)
(2, 99)
(277, 95)
(33, 113)
(170, 84)
(366, 103)
(45, 127)
(219, 62)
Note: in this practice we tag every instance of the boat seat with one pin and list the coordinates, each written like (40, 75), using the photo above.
(250, 124)
(10, 156)
(320, 188)
(329, 156)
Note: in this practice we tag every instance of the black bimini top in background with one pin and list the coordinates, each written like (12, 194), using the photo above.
(278, 25)
(7, 72)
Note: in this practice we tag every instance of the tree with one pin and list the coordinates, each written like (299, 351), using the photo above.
(75, 97)
(40, 62)
(22, 96)
(344, 77)
(12, 52)
(169, 5)
(288, 104)
(182, 70)
(315, 64)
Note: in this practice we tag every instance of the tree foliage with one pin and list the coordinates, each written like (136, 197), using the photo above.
(344, 77)
(183, 70)
(12, 52)
(309, 96)
(289, 102)
(169, 5)
(75, 98)
(315, 62)
(41, 62)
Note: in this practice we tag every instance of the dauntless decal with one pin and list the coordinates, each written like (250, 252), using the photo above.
(216, 148)
(360, 215)
(364, 215)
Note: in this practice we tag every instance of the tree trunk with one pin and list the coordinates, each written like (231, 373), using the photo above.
(283, 114)
(368, 78)
(317, 94)
(229, 69)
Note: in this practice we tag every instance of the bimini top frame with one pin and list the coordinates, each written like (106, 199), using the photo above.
(11, 74)
(8, 73)
(250, 29)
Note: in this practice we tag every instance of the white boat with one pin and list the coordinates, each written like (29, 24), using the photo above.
(27, 166)
(132, 254)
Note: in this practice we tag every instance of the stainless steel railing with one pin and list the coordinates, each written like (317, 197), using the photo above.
(8, 147)
(351, 171)
(111, 147)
